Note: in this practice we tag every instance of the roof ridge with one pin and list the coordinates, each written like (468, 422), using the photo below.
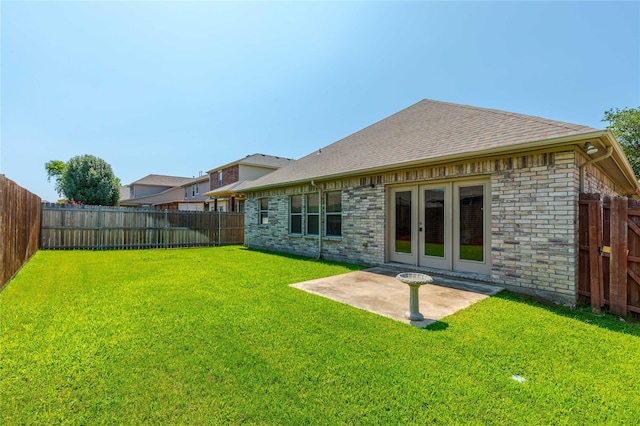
(542, 120)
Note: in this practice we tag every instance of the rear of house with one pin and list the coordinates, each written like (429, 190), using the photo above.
(451, 188)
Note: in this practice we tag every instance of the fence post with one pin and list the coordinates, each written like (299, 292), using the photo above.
(99, 227)
(618, 259)
(166, 228)
(219, 226)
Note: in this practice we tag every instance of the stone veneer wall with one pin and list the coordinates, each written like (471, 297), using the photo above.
(363, 224)
(534, 201)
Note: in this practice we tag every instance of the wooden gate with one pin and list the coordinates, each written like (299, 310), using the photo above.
(609, 263)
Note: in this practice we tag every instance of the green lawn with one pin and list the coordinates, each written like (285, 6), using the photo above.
(216, 336)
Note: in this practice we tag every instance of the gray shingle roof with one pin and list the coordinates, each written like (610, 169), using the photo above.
(423, 132)
(162, 180)
(265, 160)
(261, 160)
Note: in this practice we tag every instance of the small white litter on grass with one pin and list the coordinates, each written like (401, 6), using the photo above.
(518, 378)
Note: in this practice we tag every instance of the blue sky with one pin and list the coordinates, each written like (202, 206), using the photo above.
(177, 88)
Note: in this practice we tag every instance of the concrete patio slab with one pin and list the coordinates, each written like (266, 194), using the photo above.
(377, 290)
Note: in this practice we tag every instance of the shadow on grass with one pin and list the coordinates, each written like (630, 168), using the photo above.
(437, 326)
(349, 266)
(582, 313)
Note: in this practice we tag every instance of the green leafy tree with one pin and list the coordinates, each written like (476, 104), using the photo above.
(625, 124)
(85, 178)
(55, 169)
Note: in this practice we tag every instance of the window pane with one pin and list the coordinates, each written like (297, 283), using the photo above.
(334, 225)
(403, 222)
(434, 209)
(471, 223)
(296, 204)
(312, 224)
(264, 211)
(312, 203)
(296, 224)
(334, 202)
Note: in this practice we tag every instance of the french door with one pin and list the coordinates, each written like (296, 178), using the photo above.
(443, 225)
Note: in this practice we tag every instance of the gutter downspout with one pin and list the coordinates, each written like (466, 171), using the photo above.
(320, 221)
(592, 161)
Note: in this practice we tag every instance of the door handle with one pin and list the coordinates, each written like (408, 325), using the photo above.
(420, 229)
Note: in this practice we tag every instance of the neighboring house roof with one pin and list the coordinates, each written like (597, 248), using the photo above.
(261, 160)
(174, 195)
(427, 132)
(232, 188)
(162, 180)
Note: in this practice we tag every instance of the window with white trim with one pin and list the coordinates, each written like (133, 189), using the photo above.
(313, 214)
(295, 214)
(333, 214)
(264, 211)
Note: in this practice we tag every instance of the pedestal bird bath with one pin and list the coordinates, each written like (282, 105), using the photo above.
(414, 281)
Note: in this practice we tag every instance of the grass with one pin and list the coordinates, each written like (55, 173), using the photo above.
(216, 336)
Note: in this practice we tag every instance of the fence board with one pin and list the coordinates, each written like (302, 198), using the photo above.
(618, 259)
(99, 228)
(19, 227)
(595, 262)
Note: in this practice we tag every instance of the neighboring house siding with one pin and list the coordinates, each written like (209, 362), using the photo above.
(190, 195)
(248, 172)
(230, 175)
(534, 201)
(144, 190)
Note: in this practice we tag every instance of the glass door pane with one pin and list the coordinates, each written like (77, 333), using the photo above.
(403, 222)
(434, 222)
(471, 231)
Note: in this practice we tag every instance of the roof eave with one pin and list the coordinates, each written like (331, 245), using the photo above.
(621, 162)
(564, 141)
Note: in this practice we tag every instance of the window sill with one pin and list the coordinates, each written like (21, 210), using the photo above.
(315, 237)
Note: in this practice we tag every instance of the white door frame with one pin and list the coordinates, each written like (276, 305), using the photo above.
(413, 252)
(402, 251)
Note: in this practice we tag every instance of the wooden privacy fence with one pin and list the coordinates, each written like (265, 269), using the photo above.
(109, 228)
(609, 263)
(19, 227)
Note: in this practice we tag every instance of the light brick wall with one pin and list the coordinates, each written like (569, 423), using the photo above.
(534, 229)
(534, 201)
